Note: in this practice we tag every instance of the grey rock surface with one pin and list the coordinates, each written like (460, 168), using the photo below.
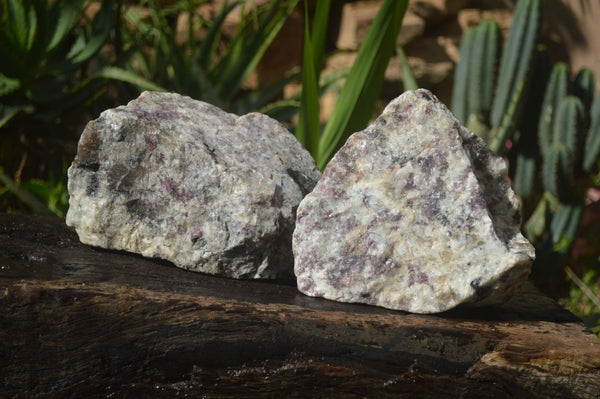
(178, 179)
(413, 213)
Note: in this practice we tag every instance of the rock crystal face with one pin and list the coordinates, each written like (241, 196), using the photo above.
(178, 179)
(413, 213)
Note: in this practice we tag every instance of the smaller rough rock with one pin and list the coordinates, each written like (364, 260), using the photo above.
(182, 180)
(413, 213)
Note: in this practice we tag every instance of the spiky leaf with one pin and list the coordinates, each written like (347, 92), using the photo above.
(357, 99)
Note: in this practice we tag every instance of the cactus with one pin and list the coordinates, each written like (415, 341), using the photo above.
(584, 86)
(569, 127)
(564, 226)
(569, 156)
(592, 144)
(516, 59)
(555, 92)
(488, 104)
(460, 106)
(558, 171)
(559, 135)
(528, 156)
(483, 67)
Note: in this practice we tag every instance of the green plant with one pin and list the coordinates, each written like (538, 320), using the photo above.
(51, 74)
(568, 130)
(211, 68)
(356, 101)
(488, 99)
(553, 148)
(64, 61)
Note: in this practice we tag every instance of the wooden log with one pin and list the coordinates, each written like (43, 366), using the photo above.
(76, 321)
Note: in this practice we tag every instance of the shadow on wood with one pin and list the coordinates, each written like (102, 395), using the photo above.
(82, 322)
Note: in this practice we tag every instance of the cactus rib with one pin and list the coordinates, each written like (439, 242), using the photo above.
(557, 171)
(516, 58)
(564, 225)
(483, 68)
(584, 86)
(556, 90)
(592, 143)
(461, 78)
(568, 126)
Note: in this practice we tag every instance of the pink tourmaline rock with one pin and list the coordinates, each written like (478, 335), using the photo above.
(413, 213)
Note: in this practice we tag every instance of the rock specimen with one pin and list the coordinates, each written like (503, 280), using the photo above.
(178, 179)
(414, 213)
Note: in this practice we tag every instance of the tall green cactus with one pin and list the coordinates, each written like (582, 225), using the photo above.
(517, 56)
(558, 171)
(592, 143)
(488, 104)
(555, 92)
(569, 127)
(553, 149)
(486, 44)
(569, 136)
(527, 155)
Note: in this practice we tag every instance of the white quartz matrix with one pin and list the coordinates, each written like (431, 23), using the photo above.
(413, 213)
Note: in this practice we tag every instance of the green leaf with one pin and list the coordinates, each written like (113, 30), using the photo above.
(308, 130)
(410, 83)
(8, 85)
(23, 16)
(123, 75)
(357, 99)
(210, 42)
(64, 16)
(247, 49)
(101, 26)
(260, 98)
(24, 195)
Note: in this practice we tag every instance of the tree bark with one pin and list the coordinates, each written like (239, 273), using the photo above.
(76, 321)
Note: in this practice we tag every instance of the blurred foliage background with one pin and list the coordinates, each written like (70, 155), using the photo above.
(65, 61)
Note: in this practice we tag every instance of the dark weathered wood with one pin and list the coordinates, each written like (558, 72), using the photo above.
(83, 322)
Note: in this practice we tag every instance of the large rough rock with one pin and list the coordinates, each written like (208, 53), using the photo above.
(414, 213)
(178, 179)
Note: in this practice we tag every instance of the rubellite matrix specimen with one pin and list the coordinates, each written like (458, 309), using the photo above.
(413, 213)
(178, 179)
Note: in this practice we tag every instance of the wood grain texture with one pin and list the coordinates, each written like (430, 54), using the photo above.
(82, 322)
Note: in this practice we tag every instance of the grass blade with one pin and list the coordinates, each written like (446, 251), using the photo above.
(123, 75)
